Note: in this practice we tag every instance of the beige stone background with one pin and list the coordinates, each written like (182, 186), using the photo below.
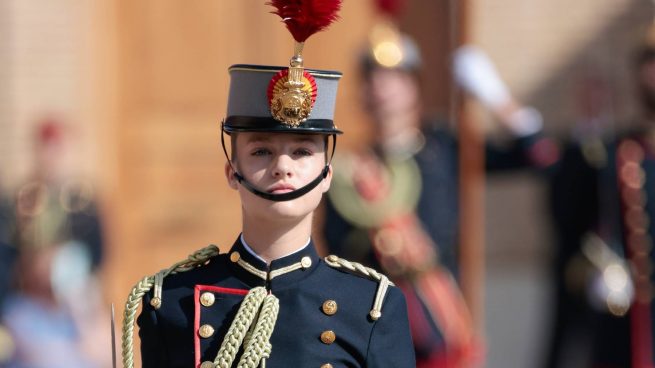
(143, 84)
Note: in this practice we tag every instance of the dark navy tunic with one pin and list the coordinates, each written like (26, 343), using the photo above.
(586, 196)
(170, 335)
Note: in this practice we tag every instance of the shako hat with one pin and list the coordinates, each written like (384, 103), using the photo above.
(261, 101)
(287, 99)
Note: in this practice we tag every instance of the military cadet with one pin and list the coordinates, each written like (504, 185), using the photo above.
(271, 299)
(395, 204)
(603, 205)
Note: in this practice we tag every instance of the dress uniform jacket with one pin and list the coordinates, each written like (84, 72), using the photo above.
(199, 305)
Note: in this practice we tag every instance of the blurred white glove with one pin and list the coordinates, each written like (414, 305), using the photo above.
(476, 74)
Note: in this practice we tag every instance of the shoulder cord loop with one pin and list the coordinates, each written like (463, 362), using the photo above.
(196, 259)
(261, 308)
(361, 270)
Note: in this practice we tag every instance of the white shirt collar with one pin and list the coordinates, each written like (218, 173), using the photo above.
(251, 251)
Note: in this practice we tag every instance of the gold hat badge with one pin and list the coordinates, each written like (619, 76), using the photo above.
(292, 92)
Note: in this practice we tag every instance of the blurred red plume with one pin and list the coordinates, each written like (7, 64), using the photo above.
(306, 17)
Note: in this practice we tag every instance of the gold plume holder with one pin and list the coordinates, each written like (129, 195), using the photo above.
(293, 105)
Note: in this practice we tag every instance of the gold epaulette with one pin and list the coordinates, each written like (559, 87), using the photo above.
(197, 259)
(366, 272)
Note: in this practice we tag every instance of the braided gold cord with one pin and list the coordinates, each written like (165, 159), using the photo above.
(257, 305)
(194, 260)
(258, 346)
(239, 327)
(356, 268)
(131, 306)
(359, 269)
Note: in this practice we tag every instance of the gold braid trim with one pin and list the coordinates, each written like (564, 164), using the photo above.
(257, 306)
(361, 270)
(196, 259)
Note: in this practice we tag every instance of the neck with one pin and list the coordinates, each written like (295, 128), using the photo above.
(275, 239)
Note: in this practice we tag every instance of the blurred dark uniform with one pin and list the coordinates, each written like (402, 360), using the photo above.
(605, 286)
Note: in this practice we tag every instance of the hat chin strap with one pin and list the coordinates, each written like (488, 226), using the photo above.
(283, 196)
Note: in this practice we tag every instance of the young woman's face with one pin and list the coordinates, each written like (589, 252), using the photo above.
(279, 163)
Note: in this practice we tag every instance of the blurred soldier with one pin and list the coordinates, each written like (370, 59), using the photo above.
(55, 205)
(53, 310)
(394, 204)
(603, 204)
(271, 301)
(578, 308)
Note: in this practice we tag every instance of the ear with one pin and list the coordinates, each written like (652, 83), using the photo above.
(229, 175)
(325, 184)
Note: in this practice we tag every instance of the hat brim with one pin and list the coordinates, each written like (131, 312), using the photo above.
(263, 124)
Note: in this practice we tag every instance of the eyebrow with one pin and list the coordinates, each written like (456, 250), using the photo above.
(257, 138)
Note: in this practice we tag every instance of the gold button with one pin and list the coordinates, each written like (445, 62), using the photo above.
(235, 257)
(306, 262)
(207, 299)
(329, 307)
(326, 365)
(207, 364)
(206, 331)
(328, 337)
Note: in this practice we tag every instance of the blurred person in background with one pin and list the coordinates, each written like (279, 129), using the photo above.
(579, 311)
(53, 314)
(603, 206)
(394, 204)
(55, 202)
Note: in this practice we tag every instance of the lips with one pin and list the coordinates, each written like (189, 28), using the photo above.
(281, 188)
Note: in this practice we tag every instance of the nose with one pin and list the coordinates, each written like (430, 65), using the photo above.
(282, 166)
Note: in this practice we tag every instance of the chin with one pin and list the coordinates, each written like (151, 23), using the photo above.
(290, 210)
(293, 210)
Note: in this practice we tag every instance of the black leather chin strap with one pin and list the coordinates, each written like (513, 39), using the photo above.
(283, 196)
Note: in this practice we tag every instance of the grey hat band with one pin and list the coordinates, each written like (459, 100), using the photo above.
(268, 124)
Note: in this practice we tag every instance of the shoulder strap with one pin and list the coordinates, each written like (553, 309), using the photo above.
(197, 259)
(366, 272)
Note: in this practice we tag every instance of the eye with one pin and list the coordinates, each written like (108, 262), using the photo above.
(303, 152)
(260, 152)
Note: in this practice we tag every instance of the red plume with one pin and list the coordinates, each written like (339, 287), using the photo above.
(306, 17)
